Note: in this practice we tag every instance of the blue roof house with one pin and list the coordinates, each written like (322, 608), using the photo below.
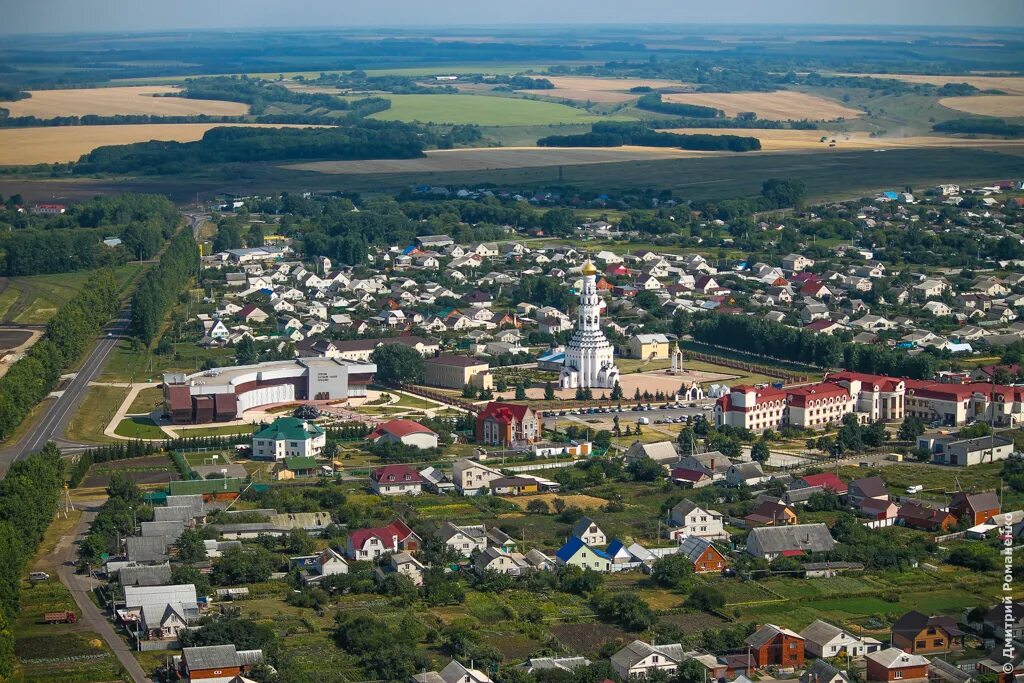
(577, 553)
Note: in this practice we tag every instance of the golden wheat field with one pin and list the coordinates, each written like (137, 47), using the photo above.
(24, 146)
(785, 140)
(987, 105)
(781, 105)
(46, 104)
(494, 158)
(600, 90)
(1011, 85)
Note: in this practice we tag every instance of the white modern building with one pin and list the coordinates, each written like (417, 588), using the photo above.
(589, 360)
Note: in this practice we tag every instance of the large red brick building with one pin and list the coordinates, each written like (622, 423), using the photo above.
(508, 425)
(773, 645)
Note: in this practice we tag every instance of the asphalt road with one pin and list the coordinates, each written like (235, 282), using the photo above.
(81, 586)
(53, 419)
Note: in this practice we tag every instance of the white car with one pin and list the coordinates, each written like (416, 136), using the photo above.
(916, 488)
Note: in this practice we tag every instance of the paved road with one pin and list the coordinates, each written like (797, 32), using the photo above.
(80, 587)
(55, 414)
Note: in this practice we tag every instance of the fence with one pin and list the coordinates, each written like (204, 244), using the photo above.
(880, 523)
(785, 376)
(950, 537)
(542, 466)
(440, 398)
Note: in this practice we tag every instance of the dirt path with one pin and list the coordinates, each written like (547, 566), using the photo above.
(81, 586)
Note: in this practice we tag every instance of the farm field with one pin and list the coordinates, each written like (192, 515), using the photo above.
(786, 140)
(495, 158)
(46, 104)
(26, 146)
(599, 90)
(782, 105)
(484, 111)
(1012, 85)
(153, 469)
(987, 105)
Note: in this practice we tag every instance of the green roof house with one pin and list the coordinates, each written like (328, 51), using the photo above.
(288, 437)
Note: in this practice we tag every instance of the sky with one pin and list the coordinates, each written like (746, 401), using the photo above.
(62, 16)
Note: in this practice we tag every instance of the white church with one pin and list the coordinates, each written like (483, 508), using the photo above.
(589, 361)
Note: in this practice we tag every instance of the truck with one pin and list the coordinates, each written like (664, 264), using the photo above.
(62, 617)
(916, 488)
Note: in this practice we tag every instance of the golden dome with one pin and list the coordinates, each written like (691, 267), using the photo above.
(589, 268)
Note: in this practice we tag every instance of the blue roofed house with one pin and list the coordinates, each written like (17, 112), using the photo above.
(577, 553)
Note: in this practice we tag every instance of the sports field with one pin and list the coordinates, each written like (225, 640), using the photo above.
(495, 158)
(47, 104)
(483, 111)
(25, 146)
(781, 105)
(987, 105)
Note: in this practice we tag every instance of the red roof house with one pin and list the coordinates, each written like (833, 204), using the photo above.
(369, 544)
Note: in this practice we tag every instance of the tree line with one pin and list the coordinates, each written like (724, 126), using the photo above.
(74, 240)
(616, 135)
(654, 102)
(981, 126)
(68, 334)
(29, 496)
(352, 140)
(162, 285)
(762, 337)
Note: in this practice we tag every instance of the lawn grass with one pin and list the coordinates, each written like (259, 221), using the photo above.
(484, 110)
(147, 400)
(33, 300)
(137, 427)
(95, 413)
(227, 430)
(127, 363)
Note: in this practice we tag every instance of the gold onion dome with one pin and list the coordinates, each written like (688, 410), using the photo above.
(589, 268)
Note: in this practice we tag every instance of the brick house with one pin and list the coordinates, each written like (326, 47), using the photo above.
(893, 664)
(507, 425)
(917, 633)
(977, 507)
(773, 645)
(704, 556)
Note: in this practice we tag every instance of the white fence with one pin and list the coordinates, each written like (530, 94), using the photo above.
(879, 523)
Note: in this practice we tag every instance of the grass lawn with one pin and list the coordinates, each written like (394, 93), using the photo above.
(484, 111)
(33, 300)
(95, 413)
(139, 428)
(147, 400)
(228, 430)
(127, 364)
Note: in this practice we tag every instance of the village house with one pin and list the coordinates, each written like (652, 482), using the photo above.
(773, 541)
(693, 520)
(508, 425)
(589, 532)
(823, 640)
(221, 663)
(472, 478)
(638, 659)
(772, 645)
(704, 556)
(976, 508)
(372, 543)
(314, 568)
(454, 672)
(396, 480)
(893, 664)
(917, 633)
(288, 436)
(577, 553)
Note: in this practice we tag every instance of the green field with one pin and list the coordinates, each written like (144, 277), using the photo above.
(484, 111)
(139, 428)
(95, 413)
(33, 300)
